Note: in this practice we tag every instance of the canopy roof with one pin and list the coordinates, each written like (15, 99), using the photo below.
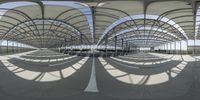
(141, 23)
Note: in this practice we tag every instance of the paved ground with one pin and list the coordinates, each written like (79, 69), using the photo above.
(142, 76)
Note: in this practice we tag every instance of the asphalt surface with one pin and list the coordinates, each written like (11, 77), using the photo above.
(114, 80)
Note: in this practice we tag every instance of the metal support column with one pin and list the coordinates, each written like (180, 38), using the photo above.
(194, 49)
(71, 43)
(106, 44)
(65, 45)
(164, 48)
(126, 48)
(7, 47)
(93, 9)
(122, 51)
(115, 45)
(1, 47)
(81, 40)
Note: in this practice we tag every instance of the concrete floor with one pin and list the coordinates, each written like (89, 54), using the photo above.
(47, 75)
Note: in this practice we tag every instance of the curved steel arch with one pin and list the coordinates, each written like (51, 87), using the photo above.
(156, 36)
(141, 29)
(52, 21)
(141, 18)
(57, 17)
(26, 16)
(54, 25)
(161, 16)
(170, 12)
